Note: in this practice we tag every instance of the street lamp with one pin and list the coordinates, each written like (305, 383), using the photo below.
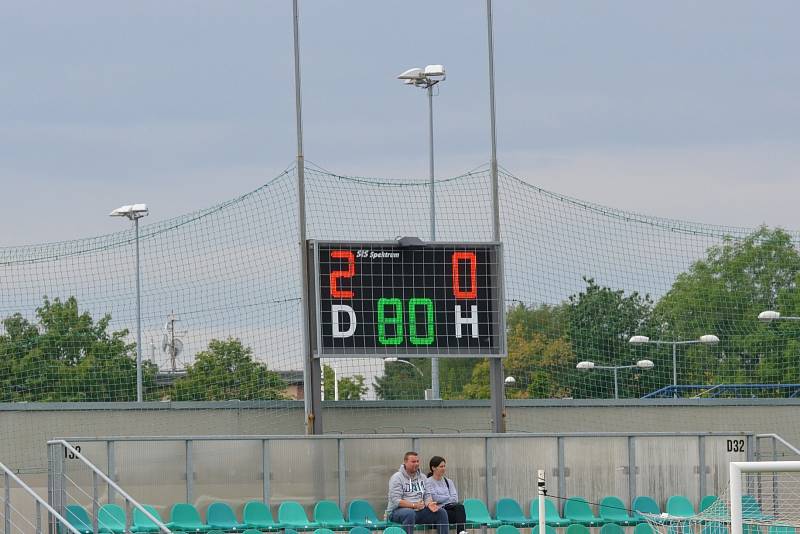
(134, 212)
(769, 316)
(707, 339)
(426, 78)
(588, 366)
(392, 360)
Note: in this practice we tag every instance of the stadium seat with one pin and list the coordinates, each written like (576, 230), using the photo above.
(185, 517)
(510, 513)
(575, 528)
(645, 504)
(612, 528)
(706, 502)
(328, 515)
(394, 530)
(478, 514)
(291, 514)
(220, 516)
(215, 531)
(680, 506)
(256, 515)
(142, 523)
(550, 513)
(507, 529)
(323, 531)
(361, 513)
(752, 510)
(781, 529)
(613, 510)
(548, 528)
(643, 528)
(78, 517)
(714, 528)
(577, 510)
(360, 530)
(111, 519)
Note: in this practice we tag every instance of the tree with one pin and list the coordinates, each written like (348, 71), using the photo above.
(350, 388)
(68, 357)
(227, 371)
(723, 294)
(401, 381)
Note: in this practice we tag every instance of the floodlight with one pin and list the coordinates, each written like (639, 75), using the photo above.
(131, 211)
(434, 70)
(585, 366)
(638, 340)
(709, 339)
(510, 381)
(645, 364)
(411, 74)
(769, 315)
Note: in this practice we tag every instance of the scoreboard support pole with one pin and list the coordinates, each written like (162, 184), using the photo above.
(496, 378)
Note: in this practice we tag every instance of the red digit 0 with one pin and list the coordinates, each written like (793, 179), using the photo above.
(473, 275)
(349, 273)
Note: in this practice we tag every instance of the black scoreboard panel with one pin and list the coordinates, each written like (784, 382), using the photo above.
(381, 299)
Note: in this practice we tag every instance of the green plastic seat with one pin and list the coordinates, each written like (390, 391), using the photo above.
(548, 529)
(256, 515)
(577, 510)
(292, 515)
(706, 502)
(215, 531)
(142, 523)
(478, 514)
(715, 528)
(251, 531)
(752, 510)
(221, 516)
(781, 529)
(612, 528)
(328, 515)
(361, 513)
(646, 505)
(394, 530)
(78, 517)
(680, 506)
(551, 515)
(613, 510)
(111, 518)
(183, 516)
(360, 530)
(510, 512)
(576, 528)
(643, 528)
(324, 531)
(507, 529)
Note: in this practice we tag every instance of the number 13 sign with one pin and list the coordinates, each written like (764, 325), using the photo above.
(378, 299)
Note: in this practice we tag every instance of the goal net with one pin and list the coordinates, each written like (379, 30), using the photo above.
(761, 498)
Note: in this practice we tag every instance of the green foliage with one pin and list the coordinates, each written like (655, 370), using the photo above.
(401, 381)
(227, 371)
(67, 357)
(350, 388)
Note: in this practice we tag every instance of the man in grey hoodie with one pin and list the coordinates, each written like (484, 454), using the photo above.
(409, 501)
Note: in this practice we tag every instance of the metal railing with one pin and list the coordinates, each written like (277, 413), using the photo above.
(39, 503)
(57, 486)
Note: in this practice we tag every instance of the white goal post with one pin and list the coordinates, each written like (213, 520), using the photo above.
(736, 470)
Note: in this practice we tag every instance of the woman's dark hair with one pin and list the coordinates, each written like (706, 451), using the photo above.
(435, 462)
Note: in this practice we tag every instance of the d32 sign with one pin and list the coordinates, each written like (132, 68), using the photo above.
(382, 299)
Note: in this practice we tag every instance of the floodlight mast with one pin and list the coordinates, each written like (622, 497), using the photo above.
(426, 78)
(134, 212)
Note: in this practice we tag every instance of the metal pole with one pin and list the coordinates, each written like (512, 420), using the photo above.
(616, 388)
(495, 364)
(138, 319)
(311, 381)
(675, 370)
(434, 361)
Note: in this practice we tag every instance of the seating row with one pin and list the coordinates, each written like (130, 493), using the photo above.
(185, 517)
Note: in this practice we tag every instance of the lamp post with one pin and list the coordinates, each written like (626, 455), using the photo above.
(641, 364)
(707, 339)
(425, 79)
(400, 360)
(134, 212)
(769, 316)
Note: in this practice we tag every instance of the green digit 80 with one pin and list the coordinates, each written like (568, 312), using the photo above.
(396, 318)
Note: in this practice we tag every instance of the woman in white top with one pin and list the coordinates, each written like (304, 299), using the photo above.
(443, 491)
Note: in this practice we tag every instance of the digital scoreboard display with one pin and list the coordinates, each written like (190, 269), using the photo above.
(381, 299)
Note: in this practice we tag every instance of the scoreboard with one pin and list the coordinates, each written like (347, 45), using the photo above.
(383, 299)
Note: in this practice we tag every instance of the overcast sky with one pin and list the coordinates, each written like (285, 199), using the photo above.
(680, 109)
